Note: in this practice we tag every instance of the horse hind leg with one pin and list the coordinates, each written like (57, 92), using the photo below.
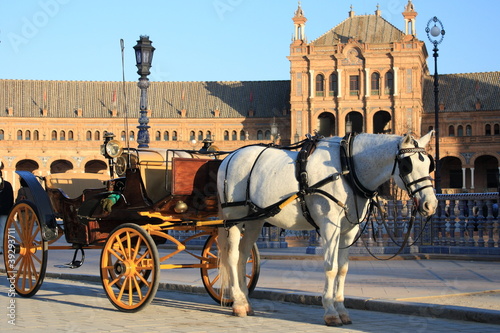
(250, 235)
(230, 270)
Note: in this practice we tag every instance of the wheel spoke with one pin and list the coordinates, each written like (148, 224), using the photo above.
(130, 291)
(214, 281)
(137, 287)
(121, 249)
(141, 277)
(137, 247)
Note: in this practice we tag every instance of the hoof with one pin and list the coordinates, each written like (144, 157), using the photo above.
(240, 311)
(346, 320)
(333, 321)
(250, 311)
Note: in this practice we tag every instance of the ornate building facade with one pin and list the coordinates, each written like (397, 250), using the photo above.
(363, 75)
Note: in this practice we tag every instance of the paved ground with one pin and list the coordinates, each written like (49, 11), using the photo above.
(71, 306)
(405, 295)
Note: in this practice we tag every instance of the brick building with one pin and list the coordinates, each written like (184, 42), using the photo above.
(363, 75)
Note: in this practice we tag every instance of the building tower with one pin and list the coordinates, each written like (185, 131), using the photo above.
(363, 75)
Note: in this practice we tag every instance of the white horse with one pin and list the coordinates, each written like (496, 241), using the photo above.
(258, 177)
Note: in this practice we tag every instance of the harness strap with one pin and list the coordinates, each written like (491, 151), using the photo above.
(301, 174)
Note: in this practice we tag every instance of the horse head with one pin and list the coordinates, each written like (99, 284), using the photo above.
(411, 172)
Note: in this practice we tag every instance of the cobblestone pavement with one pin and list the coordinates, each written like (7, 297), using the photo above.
(73, 306)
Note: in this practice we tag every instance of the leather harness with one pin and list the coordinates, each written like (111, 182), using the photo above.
(307, 147)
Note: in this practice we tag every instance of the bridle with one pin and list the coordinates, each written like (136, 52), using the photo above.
(405, 166)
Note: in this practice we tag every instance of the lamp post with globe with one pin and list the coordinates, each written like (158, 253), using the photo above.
(435, 33)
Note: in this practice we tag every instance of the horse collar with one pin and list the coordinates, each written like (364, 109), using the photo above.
(347, 162)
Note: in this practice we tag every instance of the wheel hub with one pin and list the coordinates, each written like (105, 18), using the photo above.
(124, 267)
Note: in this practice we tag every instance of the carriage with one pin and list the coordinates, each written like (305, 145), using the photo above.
(319, 183)
(151, 194)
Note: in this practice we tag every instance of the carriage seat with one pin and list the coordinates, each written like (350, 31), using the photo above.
(72, 185)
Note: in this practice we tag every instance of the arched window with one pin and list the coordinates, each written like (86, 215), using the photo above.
(191, 136)
(70, 136)
(62, 135)
(97, 136)
(233, 136)
(166, 136)
(496, 129)
(2, 134)
(54, 135)
(36, 136)
(19, 135)
(468, 130)
(260, 135)
(158, 136)
(487, 129)
(375, 83)
(333, 85)
(200, 135)
(267, 135)
(226, 135)
(243, 135)
(123, 136)
(451, 130)
(389, 83)
(174, 136)
(460, 130)
(27, 135)
(209, 135)
(132, 136)
(320, 85)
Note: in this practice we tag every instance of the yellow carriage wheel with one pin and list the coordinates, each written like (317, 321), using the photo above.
(130, 268)
(25, 251)
(210, 272)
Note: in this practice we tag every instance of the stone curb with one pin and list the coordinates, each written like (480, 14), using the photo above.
(357, 303)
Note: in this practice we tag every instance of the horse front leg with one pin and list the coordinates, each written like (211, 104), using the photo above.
(343, 266)
(331, 235)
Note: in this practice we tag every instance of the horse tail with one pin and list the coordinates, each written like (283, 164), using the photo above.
(223, 265)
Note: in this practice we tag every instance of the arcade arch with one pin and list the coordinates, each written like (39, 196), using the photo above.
(60, 166)
(326, 124)
(95, 166)
(27, 165)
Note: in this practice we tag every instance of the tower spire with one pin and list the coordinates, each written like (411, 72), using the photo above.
(410, 17)
(299, 21)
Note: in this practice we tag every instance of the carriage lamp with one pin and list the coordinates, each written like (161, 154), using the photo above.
(435, 33)
(111, 148)
(144, 56)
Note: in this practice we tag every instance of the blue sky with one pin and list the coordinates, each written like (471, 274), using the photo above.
(214, 40)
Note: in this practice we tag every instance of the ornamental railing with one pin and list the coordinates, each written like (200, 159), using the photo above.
(464, 223)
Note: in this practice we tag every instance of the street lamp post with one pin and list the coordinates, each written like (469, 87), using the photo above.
(435, 33)
(143, 56)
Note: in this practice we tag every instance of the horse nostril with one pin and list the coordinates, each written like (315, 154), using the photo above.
(429, 207)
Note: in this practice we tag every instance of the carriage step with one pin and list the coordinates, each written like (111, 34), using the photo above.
(74, 263)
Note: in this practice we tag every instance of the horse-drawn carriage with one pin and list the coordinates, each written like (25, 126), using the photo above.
(150, 193)
(323, 184)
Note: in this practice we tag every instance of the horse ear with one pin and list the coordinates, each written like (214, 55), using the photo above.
(407, 140)
(424, 141)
